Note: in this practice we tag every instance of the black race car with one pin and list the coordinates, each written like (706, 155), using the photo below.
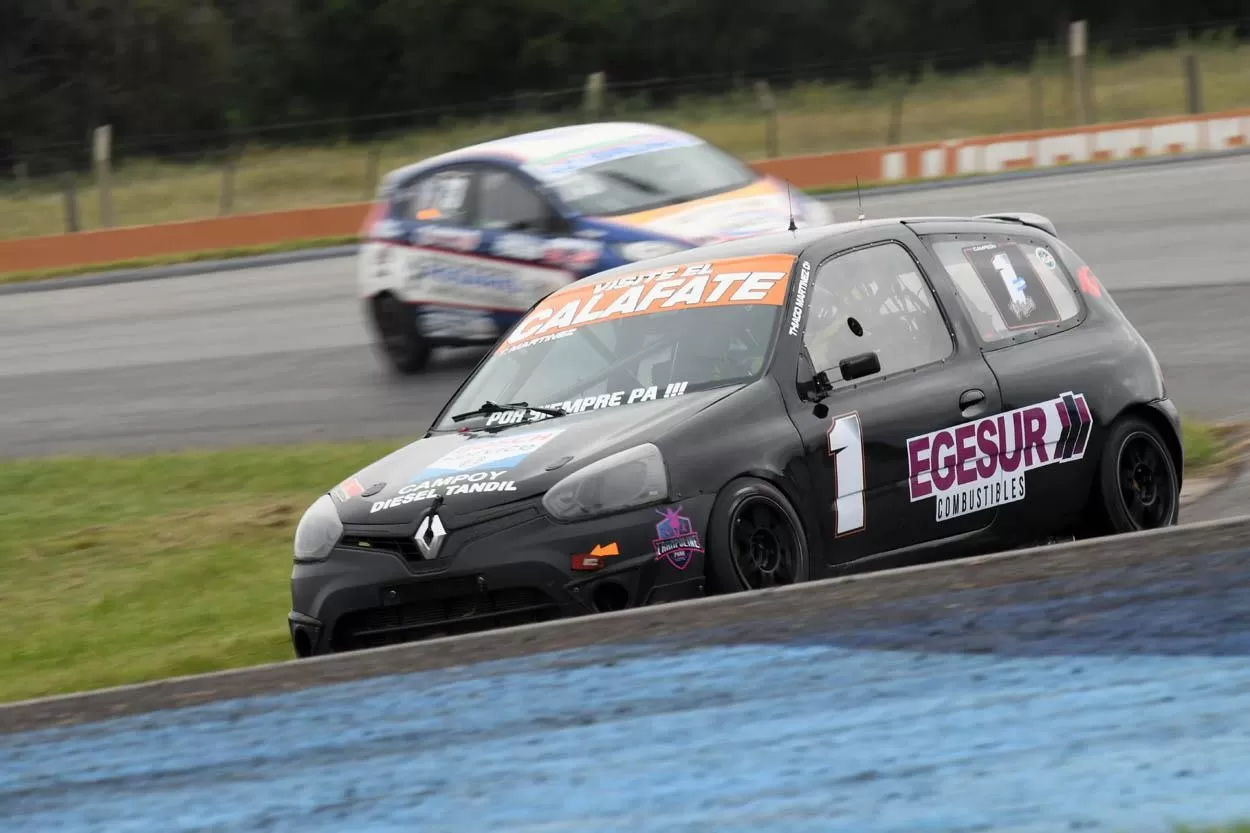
(752, 414)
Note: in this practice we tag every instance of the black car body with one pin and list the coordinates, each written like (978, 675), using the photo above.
(784, 408)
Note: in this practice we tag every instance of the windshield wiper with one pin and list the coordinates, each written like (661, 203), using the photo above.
(632, 181)
(489, 407)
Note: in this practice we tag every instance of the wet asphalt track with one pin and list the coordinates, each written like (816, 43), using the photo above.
(281, 353)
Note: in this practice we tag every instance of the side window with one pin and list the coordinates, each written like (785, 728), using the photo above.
(442, 197)
(874, 300)
(508, 202)
(1008, 288)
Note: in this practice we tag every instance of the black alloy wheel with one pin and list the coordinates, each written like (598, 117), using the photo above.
(765, 547)
(756, 539)
(1138, 482)
(1147, 482)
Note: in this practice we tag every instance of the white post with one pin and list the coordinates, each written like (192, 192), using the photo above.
(592, 100)
(101, 154)
(1077, 36)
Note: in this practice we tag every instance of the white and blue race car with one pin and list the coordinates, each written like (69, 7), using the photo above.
(459, 246)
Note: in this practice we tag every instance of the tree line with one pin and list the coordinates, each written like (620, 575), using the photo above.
(171, 73)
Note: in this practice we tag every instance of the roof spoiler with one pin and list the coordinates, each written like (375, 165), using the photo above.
(1026, 218)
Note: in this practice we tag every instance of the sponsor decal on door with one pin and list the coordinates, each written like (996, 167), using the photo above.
(981, 464)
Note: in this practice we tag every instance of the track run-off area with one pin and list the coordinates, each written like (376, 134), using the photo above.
(1096, 686)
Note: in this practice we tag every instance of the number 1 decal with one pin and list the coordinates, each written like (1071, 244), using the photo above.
(846, 446)
(1014, 283)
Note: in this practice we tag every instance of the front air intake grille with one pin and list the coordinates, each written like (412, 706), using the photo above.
(446, 616)
(403, 546)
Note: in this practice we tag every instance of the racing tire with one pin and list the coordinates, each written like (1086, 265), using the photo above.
(1137, 486)
(405, 350)
(755, 539)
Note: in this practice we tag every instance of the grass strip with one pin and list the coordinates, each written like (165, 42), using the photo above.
(126, 569)
(1205, 445)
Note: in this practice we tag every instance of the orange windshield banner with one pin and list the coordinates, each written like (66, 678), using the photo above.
(740, 280)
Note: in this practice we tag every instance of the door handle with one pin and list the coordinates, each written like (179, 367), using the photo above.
(970, 401)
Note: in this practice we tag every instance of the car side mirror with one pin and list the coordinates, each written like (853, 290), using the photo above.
(859, 366)
(812, 386)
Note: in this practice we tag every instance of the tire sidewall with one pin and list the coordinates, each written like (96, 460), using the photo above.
(414, 354)
(722, 574)
(1115, 515)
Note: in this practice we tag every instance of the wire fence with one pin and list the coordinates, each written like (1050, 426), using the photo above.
(158, 178)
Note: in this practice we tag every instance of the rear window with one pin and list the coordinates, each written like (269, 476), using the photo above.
(1011, 289)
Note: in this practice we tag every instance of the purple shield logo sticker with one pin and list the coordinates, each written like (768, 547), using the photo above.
(676, 541)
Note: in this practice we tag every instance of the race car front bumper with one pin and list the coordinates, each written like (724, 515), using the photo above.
(376, 589)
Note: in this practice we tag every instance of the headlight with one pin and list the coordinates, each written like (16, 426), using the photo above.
(627, 479)
(318, 531)
(647, 249)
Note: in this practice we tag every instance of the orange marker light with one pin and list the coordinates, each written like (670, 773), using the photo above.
(594, 560)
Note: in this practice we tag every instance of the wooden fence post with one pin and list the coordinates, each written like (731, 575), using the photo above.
(1193, 84)
(768, 106)
(69, 190)
(372, 162)
(230, 164)
(895, 129)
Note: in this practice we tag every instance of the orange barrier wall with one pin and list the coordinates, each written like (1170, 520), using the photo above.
(1015, 151)
(925, 160)
(112, 245)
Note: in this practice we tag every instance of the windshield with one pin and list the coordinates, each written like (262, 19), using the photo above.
(642, 181)
(637, 338)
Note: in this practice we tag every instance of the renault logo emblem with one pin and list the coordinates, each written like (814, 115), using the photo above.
(430, 536)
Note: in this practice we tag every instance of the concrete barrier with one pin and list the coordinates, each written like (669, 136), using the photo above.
(1094, 565)
(926, 160)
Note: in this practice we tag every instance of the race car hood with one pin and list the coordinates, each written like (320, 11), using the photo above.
(480, 469)
(760, 208)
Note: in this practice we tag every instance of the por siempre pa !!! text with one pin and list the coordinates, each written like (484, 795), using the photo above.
(589, 403)
(457, 484)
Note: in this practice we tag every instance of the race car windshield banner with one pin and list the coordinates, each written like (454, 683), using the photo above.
(735, 281)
